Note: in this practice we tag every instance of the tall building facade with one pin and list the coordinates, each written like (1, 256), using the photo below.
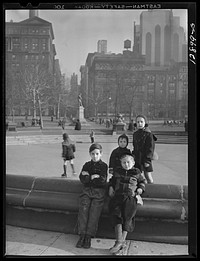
(102, 46)
(123, 83)
(161, 38)
(29, 42)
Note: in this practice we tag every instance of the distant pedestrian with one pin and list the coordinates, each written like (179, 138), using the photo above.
(186, 125)
(125, 187)
(115, 155)
(78, 125)
(131, 126)
(63, 123)
(93, 176)
(92, 136)
(143, 147)
(68, 149)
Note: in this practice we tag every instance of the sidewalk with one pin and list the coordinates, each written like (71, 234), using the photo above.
(32, 242)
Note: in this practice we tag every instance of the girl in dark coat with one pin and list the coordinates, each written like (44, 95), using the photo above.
(115, 156)
(143, 147)
(68, 149)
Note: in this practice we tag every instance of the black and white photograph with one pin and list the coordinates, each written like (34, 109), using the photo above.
(100, 129)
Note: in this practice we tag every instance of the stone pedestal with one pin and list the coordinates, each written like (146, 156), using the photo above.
(81, 116)
(119, 127)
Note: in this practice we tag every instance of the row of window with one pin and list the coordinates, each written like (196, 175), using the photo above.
(27, 30)
(26, 44)
(27, 57)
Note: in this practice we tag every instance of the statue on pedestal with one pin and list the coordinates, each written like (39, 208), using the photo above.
(80, 100)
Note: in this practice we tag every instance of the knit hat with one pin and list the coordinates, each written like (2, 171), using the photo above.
(123, 136)
(95, 146)
(142, 116)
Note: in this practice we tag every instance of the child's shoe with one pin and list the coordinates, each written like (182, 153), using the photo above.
(122, 251)
(63, 175)
(80, 241)
(117, 246)
(87, 242)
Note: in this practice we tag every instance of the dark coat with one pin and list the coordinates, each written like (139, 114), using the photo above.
(120, 181)
(68, 150)
(78, 125)
(115, 156)
(143, 148)
(100, 168)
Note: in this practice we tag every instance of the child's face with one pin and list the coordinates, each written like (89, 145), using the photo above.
(95, 155)
(128, 162)
(122, 143)
(140, 123)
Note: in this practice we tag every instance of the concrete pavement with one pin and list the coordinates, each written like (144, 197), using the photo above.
(32, 242)
(45, 160)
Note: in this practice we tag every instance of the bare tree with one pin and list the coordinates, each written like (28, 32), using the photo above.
(37, 88)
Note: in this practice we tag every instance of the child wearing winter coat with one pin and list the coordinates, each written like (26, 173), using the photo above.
(93, 176)
(68, 149)
(125, 188)
(115, 156)
(143, 147)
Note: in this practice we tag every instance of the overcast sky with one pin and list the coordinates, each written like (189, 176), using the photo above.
(78, 31)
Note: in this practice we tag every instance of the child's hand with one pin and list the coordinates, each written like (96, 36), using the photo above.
(139, 191)
(110, 170)
(132, 180)
(111, 192)
(95, 176)
(146, 165)
(84, 173)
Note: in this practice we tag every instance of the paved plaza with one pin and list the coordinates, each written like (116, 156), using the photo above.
(37, 158)
(45, 160)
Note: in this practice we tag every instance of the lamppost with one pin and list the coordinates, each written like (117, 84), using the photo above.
(107, 105)
(59, 102)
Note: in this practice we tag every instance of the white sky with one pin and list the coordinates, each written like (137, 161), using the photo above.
(78, 31)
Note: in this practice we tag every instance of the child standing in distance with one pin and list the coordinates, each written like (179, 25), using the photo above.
(143, 147)
(125, 187)
(92, 136)
(114, 160)
(94, 178)
(68, 149)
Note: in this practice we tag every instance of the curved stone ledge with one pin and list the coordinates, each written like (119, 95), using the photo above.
(160, 201)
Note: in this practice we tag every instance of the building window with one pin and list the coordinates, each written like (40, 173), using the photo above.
(8, 44)
(35, 46)
(26, 42)
(44, 44)
(16, 43)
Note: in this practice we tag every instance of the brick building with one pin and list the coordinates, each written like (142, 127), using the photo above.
(29, 42)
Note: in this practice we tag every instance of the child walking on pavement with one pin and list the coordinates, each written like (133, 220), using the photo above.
(143, 147)
(68, 149)
(114, 160)
(92, 136)
(94, 179)
(125, 187)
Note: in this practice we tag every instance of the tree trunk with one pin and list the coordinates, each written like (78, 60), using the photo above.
(40, 112)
